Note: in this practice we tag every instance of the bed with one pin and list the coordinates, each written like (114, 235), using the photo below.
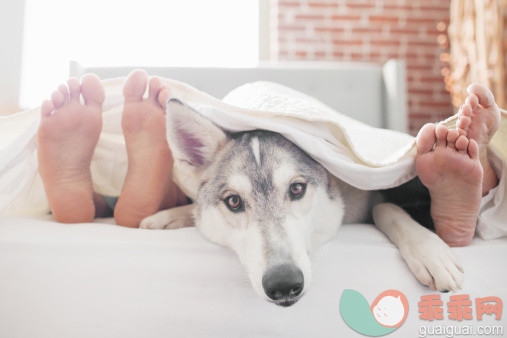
(101, 280)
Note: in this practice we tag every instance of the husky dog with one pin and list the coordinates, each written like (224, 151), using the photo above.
(266, 199)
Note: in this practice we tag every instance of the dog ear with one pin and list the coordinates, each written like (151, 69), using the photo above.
(193, 138)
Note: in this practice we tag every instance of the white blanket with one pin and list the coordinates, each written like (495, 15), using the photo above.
(365, 157)
(98, 280)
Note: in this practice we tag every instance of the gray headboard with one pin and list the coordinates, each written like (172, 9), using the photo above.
(374, 94)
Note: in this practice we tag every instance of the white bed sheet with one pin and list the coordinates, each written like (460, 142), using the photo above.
(102, 280)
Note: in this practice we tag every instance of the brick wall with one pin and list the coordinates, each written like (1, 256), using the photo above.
(372, 31)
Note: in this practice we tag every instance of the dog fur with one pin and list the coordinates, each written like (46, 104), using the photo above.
(274, 232)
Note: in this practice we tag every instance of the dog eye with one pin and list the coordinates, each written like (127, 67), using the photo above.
(297, 190)
(234, 203)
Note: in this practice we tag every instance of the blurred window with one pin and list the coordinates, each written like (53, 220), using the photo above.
(133, 33)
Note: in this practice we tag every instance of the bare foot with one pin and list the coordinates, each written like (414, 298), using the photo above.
(448, 165)
(148, 187)
(479, 119)
(66, 139)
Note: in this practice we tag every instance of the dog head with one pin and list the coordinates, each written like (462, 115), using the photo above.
(258, 194)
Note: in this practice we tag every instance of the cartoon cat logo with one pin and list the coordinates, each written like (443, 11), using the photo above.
(387, 312)
(388, 308)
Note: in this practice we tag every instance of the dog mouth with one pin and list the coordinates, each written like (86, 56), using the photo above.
(286, 302)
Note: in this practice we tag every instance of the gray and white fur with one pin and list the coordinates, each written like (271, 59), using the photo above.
(266, 199)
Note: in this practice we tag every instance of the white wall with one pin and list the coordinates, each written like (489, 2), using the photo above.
(11, 43)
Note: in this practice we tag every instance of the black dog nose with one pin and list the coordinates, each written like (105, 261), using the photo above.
(283, 281)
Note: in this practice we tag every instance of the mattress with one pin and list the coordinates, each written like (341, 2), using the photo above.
(102, 280)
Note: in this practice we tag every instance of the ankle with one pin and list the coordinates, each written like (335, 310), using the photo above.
(490, 179)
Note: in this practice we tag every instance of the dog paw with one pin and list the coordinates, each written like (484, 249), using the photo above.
(434, 264)
(154, 222)
(174, 218)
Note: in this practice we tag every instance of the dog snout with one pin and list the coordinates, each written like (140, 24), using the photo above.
(283, 283)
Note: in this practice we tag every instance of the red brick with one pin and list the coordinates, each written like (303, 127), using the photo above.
(291, 28)
(411, 55)
(427, 19)
(444, 9)
(288, 3)
(347, 42)
(385, 42)
(420, 115)
(419, 61)
(375, 18)
(345, 17)
(329, 29)
(396, 7)
(311, 40)
(434, 32)
(309, 17)
(430, 43)
(323, 4)
(403, 31)
(435, 104)
(366, 30)
(419, 67)
(355, 4)
(432, 56)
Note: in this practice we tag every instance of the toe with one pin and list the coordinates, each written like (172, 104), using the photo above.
(473, 150)
(164, 95)
(46, 108)
(463, 124)
(74, 91)
(445, 281)
(135, 86)
(65, 92)
(456, 262)
(464, 118)
(57, 99)
(466, 109)
(455, 271)
(92, 90)
(444, 275)
(155, 85)
(452, 136)
(426, 138)
(441, 135)
(472, 101)
(422, 274)
(485, 96)
(462, 143)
